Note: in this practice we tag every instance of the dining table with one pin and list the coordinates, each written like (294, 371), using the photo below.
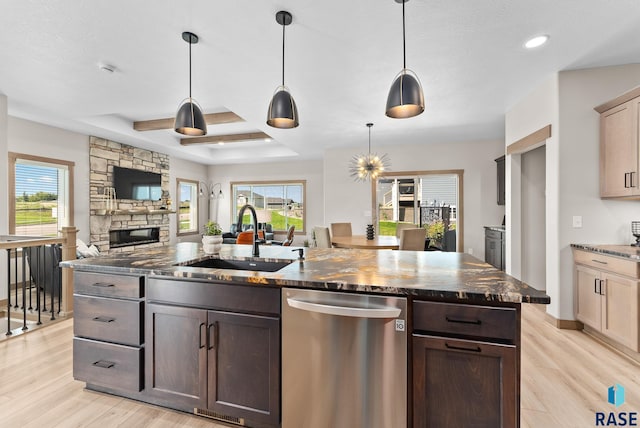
(380, 242)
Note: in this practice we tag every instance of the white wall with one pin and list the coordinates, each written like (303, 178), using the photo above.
(348, 200)
(533, 218)
(566, 101)
(42, 140)
(183, 169)
(311, 171)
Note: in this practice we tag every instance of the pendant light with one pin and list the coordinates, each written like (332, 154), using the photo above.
(405, 96)
(369, 166)
(189, 119)
(282, 112)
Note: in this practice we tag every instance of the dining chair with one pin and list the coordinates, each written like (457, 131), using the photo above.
(401, 226)
(289, 239)
(323, 239)
(413, 239)
(245, 238)
(340, 229)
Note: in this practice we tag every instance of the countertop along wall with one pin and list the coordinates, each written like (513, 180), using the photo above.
(348, 200)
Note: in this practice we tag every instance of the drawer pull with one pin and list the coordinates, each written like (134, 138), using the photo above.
(104, 364)
(600, 261)
(461, 321)
(213, 343)
(103, 284)
(104, 319)
(462, 348)
(200, 345)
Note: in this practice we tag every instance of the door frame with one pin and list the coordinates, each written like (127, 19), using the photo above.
(460, 208)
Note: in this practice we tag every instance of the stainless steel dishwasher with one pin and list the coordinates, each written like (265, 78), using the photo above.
(344, 360)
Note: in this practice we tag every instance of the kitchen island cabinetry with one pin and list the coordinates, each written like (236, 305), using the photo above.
(224, 363)
(466, 365)
(606, 296)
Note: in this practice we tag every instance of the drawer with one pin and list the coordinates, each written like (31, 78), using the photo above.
(466, 320)
(100, 284)
(111, 320)
(107, 364)
(608, 263)
(211, 295)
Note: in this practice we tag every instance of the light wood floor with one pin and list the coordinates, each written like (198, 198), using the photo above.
(565, 376)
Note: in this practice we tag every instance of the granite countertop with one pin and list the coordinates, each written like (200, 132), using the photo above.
(410, 273)
(626, 251)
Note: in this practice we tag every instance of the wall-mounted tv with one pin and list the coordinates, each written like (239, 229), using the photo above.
(137, 184)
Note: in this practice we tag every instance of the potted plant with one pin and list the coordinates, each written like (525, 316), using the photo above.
(212, 237)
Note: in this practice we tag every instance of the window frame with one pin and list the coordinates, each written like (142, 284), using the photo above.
(13, 158)
(196, 185)
(258, 183)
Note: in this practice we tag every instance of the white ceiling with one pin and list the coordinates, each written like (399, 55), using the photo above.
(341, 59)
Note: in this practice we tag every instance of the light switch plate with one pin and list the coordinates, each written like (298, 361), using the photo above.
(577, 221)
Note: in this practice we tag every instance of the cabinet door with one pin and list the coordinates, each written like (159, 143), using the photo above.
(244, 366)
(176, 355)
(588, 298)
(493, 252)
(500, 166)
(620, 312)
(619, 151)
(464, 383)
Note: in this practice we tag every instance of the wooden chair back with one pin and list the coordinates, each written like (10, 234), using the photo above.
(413, 239)
(340, 229)
(289, 239)
(401, 226)
(323, 239)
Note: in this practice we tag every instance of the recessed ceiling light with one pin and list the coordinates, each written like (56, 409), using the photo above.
(221, 143)
(267, 140)
(536, 41)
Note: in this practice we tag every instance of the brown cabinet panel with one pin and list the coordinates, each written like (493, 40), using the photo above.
(111, 320)
(244, 366)
(588, 299)
(500, 166)
(620, 312)
(107, 364)
(176, 356)
(462, 383)
(100, 284)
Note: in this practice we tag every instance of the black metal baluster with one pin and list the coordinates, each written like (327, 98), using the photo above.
(30, 273)
(44, 279)
(24, 290)
(15, 263)
(53, 283)
(37, 265)
(59, 277)
(9, 292)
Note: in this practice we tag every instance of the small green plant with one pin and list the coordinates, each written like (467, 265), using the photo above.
(212, 228)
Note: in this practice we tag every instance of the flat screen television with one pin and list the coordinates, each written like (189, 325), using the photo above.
(137, 184)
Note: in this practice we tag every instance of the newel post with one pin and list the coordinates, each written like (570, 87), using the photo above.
(68, 253)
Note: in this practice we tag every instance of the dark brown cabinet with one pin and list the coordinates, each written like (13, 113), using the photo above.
(224, 363)
(501, 182)
(466, 366)
(494, 248)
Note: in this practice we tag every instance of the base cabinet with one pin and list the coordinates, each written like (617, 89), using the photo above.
(223, 364)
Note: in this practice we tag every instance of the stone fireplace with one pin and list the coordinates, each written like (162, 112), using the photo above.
(131, 224)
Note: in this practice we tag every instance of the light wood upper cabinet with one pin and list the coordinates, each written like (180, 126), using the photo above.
(619, 141)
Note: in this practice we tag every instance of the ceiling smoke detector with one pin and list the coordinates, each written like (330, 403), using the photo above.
(107, 68)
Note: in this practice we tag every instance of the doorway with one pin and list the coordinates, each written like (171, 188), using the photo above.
(533, 198)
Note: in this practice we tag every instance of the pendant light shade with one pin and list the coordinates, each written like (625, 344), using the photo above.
(283, 112)
(405, 97)
(189, 119)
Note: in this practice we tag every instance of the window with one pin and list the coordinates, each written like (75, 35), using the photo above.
(40, 195)
(280, 203)
(187, 207)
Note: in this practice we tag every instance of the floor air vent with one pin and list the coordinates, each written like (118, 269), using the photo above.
(218, 416)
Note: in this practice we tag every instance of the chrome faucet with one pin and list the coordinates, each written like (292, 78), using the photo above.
(256, 249)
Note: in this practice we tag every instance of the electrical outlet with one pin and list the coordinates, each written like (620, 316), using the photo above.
(470, 251)
(577, 221)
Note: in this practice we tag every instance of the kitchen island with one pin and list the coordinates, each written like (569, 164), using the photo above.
(209, 340)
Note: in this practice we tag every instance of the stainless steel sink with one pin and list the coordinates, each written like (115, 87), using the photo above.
(253, 265)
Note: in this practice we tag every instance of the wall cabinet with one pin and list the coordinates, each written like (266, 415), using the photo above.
(500, 166)
(606, 296)
(215, 348)
(108, 335)
(466, 365)
(619, 140)
(494, 248)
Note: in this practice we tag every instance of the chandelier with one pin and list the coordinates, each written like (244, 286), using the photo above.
(369, 166)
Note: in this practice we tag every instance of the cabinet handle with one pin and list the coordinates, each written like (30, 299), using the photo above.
(600, 291)
(595, 285)
(104, 364)
(600, 261)
(200, 345)
(461, 321)
(626, 174)
(104, 319)
(213, 343)
(103, 284)
(631, 179)
(462, 348)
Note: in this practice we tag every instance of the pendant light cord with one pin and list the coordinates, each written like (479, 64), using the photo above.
(404, 44)
(190, 68)
(369, 125)
(283, 26)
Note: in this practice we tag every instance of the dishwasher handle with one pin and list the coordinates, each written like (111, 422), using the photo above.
(345, 311)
